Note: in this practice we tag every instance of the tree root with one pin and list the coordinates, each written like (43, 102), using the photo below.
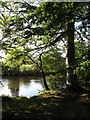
(77, 89)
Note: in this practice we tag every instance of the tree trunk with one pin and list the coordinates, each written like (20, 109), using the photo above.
(43, 74)
(71, 79)
(44, 80)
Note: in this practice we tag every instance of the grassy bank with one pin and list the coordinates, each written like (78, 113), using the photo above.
(47, 106)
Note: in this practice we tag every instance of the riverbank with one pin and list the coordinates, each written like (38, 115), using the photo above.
(48, 106)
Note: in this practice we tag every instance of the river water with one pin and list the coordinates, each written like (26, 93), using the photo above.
(21, 86)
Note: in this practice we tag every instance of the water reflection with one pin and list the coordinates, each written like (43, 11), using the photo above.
(21, 86)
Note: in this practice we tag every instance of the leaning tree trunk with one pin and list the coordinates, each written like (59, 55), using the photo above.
(71, 79)
(42, 71)
(43, 74)
(44, 80)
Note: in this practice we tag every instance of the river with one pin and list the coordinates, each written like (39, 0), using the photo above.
(21, 86)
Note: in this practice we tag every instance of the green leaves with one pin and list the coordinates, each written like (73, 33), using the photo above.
(32, 30)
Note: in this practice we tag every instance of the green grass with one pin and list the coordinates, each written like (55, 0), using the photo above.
(49, 106)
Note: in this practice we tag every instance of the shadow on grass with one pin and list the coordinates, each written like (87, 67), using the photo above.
(48, 107)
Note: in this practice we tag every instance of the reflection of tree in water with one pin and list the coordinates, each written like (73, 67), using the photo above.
(14, 87)
(15, 82)
(24, 80)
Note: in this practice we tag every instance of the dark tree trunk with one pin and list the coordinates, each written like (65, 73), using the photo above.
(71, 79)
(44, 80)
(43, 74)
(41, 68)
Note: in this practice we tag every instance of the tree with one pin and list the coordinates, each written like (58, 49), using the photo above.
(70, 56)
(51, 14)
(52, 23)
(13, 37)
